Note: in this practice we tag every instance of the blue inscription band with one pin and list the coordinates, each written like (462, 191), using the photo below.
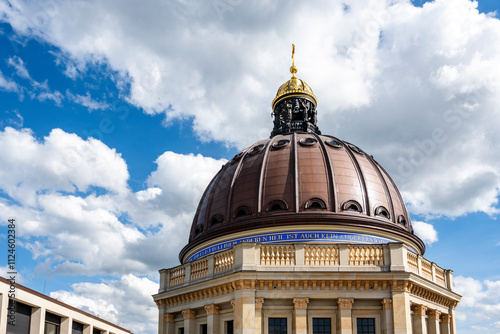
(294, 236)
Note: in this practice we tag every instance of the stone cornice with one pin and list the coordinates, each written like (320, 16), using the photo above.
(300, 303)
(300, 285)
(345, 303)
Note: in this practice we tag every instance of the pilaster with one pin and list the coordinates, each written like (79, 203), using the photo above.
(419, 325)
(300, 315)
(244, 311)
(387, 322)
(344, 315)
(401, 311)
(37, 321)
(189, 321)
(169, 327)
(445, 323)
(213, 318)
(259, 302)
(434, 317)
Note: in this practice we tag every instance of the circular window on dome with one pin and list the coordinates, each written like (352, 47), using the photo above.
(216, 219)
(402, 220)
(256, 149)
(355, 149)
(277, 205)
(199, 229)
(333, 143)
(242, 211)
(315, 204)
(352, 206)
(237, 157)
(382, 212)
(308, 141)
(281, 144)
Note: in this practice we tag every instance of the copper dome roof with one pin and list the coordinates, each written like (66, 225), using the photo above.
(298, 179)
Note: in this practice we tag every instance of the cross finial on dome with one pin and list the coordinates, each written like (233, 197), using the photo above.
(293, 69)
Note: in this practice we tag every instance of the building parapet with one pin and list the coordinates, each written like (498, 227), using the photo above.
(246, 256)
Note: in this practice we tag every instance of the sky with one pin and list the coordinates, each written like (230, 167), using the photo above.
(115, 115)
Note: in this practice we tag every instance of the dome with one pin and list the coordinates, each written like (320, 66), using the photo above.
(299, 186)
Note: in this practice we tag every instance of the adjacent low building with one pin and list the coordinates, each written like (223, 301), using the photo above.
(31, 312)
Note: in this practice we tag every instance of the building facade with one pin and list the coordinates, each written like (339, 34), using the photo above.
(25, 311)
(304, 233)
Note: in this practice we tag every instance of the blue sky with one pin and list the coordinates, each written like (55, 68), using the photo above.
(114, 117)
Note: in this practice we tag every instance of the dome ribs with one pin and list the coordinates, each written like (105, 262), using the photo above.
(332, 191)
(312, 171)
(361, 178)
(295, 173)
(393, 217)
(231, 188)
(263, 173)
(277, 176)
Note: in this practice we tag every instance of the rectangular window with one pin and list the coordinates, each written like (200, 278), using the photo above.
(77, 328)
(366, 325)
(230, 327)
(22, 318)
(203, 329)
(181, 330)
(96, 331)
(277, 325)
(52, 323)
(322, 326)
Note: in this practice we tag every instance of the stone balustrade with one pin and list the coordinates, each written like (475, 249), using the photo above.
(394, 257)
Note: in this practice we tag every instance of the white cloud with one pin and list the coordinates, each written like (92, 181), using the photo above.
(74, 200)
(480, 304)
(415, 87)
(86, 101)
(117, 301)
(7, 84)
(425, 231)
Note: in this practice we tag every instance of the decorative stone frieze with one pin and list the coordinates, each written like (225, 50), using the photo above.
(259, 302)
(160, 303)
(419, 310)
(345, 303)
(212, 309)
(169, 317)
(386, 304)
(300, 303)
(189, 314)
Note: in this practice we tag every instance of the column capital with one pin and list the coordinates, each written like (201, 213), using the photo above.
(258, 303)
(169, 317)
(434, 314)
(189, 314)
(386, 304)
(446, 318)
(212, 309)
(419, 310)
(300, 303)
(345, 303)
